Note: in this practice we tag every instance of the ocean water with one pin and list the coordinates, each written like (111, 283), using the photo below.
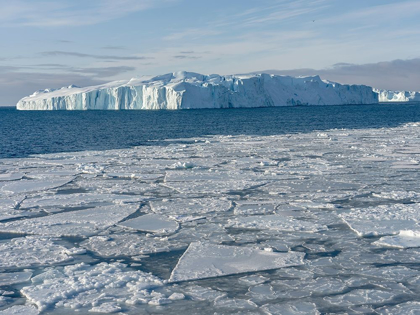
(33, 132)
(303, 210)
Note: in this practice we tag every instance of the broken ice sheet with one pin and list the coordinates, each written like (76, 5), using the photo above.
(383, 220)
(152, 223)
(75, 223)
(361, 297)
(130, 245)
(14, 277)
(298, 308)
(407, 308)
(11, 176)
(83, 286)
(20, 310)
(26, 186)
(404, 239)
(274, 222)
(248, 208)
(31, 251)
(206, 260)
(195, 206)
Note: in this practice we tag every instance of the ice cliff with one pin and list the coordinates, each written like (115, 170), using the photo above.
(398, 96)
(187, 90)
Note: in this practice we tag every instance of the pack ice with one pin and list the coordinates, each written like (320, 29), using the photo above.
(186, 90)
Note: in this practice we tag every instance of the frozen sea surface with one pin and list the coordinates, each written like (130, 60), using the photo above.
(321, 222)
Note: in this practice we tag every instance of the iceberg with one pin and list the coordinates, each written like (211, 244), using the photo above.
(397, 96)
(188, 90)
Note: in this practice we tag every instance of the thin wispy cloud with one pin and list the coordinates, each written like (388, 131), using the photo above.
(50, 13)
(82, 55)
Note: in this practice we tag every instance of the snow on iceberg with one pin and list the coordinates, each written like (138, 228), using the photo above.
(397, 96)
(187, 90)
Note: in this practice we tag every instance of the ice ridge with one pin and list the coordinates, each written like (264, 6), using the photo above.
(189, 90)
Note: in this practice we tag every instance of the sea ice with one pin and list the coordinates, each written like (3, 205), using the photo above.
(31, 251)
(383, 220)
(11, 176)
(14, 277)
(196, 206)
(152, 223)
(206, 260)
(298, 308)
(75, 223)
(27, 186)
(405, 239)
(84, 286)
(274, 222)
(20, 310)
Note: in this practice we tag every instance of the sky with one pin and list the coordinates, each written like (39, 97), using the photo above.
(50, 44)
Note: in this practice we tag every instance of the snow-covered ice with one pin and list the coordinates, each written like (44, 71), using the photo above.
(152, 223)
(205, 260)
(307, 223)
(185, 90)
(75, 223)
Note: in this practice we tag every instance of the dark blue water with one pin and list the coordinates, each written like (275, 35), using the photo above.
(31, 132)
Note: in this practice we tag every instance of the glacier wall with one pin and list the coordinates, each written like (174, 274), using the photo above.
(188, 90)
(398, 96)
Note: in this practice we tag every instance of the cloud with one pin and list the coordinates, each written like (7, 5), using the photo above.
(185, 57)
(104, 72)
(81, 55)
(392, 75)
(114, 47)
(51, 13)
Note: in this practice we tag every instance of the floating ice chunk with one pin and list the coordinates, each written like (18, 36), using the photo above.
(360, 297)
(131, 245)
(205, 260)
(76, 223)
(58, 202)
(84, 286)
(182, 165)
(11, 176)
(14, 277)
(108, 308)
(253, 279)
(383, 220)
(202, 294)
(405, 239)
(234, 304)
(407, 308)
(31, 251)
(190, 206)
(25, 186)
(20, 310)
(297, 308)
(152, 223)
(254, 208)
(274, 222)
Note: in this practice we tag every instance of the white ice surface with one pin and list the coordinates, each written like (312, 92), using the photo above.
(20, 310)
(26, 186)
(152, 223)
(184, 90)
(84, 286)
(383, 220)
(75, 223)
(14, 277)
(205, 260)
(404, 239)
(274, 222)
(31, 251)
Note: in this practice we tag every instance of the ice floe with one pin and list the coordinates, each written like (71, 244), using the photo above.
(75, 223)
(205, 260)
(99, 287)
(152, 223)
(31, 251)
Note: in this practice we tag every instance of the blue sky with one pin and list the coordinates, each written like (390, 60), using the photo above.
(55, 43)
